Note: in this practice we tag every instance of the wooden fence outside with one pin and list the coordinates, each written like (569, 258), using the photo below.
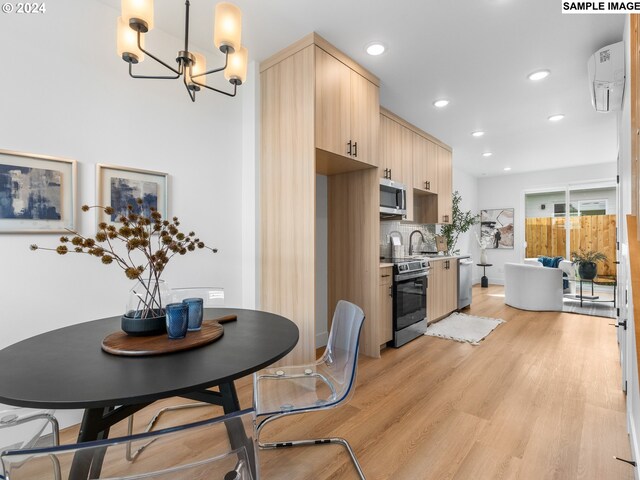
(546, 236)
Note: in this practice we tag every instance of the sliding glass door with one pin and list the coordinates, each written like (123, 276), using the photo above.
(580, 217)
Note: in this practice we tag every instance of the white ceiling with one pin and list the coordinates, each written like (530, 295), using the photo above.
(477, 53)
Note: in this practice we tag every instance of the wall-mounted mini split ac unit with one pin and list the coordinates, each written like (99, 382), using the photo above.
(606, 78)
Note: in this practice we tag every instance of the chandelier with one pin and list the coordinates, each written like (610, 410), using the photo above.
(137, 20)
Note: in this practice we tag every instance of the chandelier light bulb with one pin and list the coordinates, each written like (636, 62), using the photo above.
(139, 10)
(236, 71)
(227, 27)
(127, 43)
(199, 66)
(477, 133)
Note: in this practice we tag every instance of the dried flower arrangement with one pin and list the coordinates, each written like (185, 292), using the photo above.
(149, 237)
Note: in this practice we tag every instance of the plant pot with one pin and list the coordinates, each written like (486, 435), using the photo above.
(588, 270)
(132, 324)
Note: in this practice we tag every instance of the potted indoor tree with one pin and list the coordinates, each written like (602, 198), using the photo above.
(461, 222)
(587, 261)
(141, 243)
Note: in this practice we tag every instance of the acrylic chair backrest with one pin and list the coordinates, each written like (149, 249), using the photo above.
(211, 296)
(197, 451)
(340, 358)
(23, 427)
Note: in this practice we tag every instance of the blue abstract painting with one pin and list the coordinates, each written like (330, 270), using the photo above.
(125, 191)
(30, 193)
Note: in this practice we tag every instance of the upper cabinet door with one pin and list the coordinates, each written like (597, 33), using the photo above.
(425, 164)
(445, 187)
(390, 149)
(333, 104)
(365, 119)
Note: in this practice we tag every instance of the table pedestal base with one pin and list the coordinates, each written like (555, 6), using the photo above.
(484, 282)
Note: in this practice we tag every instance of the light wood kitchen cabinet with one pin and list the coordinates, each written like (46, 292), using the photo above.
(442, 291)
(396, 156)
(311, 107)
(420, 161)
(425, 164)
(445, 185)
(347, 110)
(385, 312)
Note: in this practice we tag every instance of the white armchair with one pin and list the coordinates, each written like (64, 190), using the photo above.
(530, 287)
(566, 266)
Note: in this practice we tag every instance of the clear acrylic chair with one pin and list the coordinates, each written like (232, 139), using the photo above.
(25, 429)
(202, 450)
(325, 384)
(212, 297)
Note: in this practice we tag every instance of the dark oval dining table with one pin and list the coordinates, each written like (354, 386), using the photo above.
(67, 369)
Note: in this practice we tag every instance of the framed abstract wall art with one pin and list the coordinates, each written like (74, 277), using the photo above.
(119, 187)
(37, 193)
(496, 227)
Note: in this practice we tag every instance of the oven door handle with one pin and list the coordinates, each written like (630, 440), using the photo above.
(399, 278)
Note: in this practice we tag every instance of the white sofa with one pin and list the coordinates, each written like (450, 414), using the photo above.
(530, 287)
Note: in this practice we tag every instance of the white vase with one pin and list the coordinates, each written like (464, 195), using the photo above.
(483, 256)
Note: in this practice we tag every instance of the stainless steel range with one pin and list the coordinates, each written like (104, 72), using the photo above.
(410, 282)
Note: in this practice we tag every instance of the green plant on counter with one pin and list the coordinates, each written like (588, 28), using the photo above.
(461, 222)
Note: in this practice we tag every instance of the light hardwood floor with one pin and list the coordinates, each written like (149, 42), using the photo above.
(540, 398)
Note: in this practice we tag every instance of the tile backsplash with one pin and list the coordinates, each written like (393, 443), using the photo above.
(405, 229)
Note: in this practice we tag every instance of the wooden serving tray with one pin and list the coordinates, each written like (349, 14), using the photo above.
(119, 343)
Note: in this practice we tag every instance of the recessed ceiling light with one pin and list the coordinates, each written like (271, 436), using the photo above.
(477, 133)
(506, 169)
(556, 118)
(441, 103)
(375, 48)
(539, 75)
(487, 154)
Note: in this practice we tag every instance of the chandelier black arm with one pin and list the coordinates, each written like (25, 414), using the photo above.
(235, 89)
(215, 70)
(150, 77)
(159, 61)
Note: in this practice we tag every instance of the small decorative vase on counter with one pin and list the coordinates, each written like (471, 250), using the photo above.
(145, 313)
(177, 320)
(483, 256)
(195, 313)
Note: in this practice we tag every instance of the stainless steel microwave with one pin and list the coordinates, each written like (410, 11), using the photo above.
(393, 199)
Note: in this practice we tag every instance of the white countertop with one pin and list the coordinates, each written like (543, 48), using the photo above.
(385, 265)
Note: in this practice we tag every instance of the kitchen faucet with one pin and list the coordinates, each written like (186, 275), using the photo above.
(411, 238)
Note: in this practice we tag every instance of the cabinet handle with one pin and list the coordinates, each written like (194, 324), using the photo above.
(428, 185)
(355, 149)
(383, 276)
(389, 174)
(349, 149)
(391, 291)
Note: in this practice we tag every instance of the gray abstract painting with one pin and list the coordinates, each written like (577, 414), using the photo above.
(30, 193)
(125, 191)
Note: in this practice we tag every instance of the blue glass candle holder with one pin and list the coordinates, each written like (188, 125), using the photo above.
(195, 313)
(177, 320)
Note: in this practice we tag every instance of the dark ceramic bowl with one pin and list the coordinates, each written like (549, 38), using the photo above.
(133, 325)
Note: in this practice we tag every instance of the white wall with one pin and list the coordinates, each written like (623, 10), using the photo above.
(66, 93)
(507, 191)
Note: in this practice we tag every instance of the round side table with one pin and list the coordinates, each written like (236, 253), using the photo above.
(484, 281)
